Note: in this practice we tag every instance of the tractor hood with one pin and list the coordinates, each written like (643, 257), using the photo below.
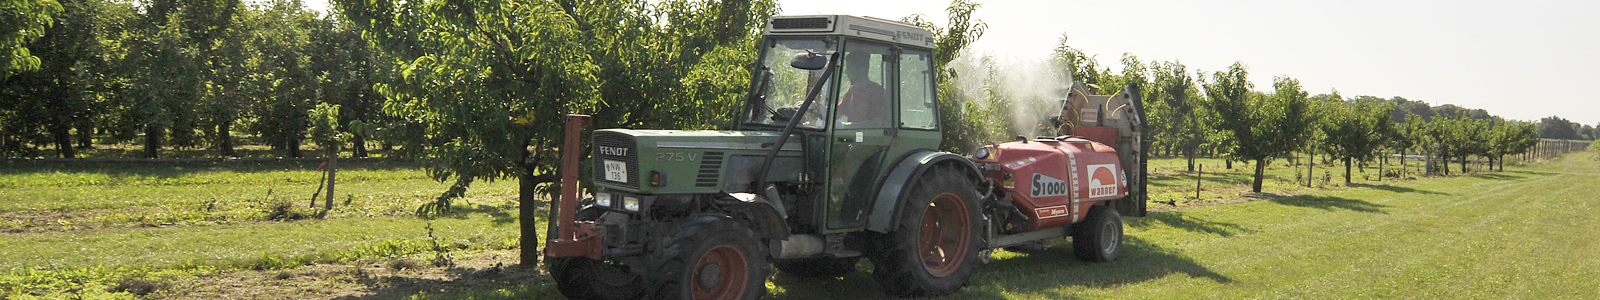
(687, 162)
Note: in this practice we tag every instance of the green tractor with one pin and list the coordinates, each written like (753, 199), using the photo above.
(834, 159)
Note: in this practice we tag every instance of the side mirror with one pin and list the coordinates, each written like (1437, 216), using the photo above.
(809, 61)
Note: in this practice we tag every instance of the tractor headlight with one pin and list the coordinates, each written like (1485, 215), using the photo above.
(982, 153)
(630, 203)
(602, 199)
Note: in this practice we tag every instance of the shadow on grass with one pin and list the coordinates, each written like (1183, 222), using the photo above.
(1531, 172)
(1177, 219)
(1043, 274)
(1330, 203)
(500, 214)
(1396, 189)
(465, 283)
(1501, 176)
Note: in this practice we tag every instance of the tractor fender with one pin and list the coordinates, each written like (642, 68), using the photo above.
(762, 214)
(900, 179)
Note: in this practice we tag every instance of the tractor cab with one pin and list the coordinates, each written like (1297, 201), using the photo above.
(873, 108)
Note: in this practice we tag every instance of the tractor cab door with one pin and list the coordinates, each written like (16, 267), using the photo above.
(863, 129)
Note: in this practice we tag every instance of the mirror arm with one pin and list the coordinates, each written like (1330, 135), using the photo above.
(766, 165)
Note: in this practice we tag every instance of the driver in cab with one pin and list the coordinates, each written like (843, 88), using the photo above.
(863, 103)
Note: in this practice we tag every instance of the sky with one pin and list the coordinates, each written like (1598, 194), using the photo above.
(1522, 60)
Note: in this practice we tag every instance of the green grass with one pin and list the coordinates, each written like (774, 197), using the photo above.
(83, 226)
(72, 196)
(1526, 233)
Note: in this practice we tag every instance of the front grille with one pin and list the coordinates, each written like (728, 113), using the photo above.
(710, 168)
(801, 23)
(614, 143)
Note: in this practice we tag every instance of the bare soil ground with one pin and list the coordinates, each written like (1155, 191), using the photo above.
(389, 278)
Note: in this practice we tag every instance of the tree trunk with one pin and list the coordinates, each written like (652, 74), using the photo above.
(1311, 158)
(1261, 170)
(1190, 155)
(1382, 161)
(333, 171)
(360, 149)
(1444, 157)
(294, 147)
(1402, 163)
(61, 131)
(152, 141)
(1463, 164)
(225, 138)
(85, 135)
(526, 216)
(1228, 162)
(1347, 170)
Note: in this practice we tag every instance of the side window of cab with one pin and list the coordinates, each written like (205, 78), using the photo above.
(865, 101)
(917, 107)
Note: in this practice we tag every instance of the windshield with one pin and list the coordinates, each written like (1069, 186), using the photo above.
(780, 88)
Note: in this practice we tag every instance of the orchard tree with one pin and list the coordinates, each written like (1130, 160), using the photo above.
(959, 129)
(1075, 64)
(1264, 126)
(1182, 108)
(489, 81)
(1406, 136)
(54, 95)
(1510, 138)
(165, 66)
(1356, 130)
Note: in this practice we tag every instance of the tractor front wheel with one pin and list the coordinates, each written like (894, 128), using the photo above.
(584, 278)
(711, 257)
(935, 246)
(1098, 239)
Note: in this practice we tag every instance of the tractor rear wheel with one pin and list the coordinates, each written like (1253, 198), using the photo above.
(584, 278)
(1098, 239)
(935, 246)
(817, 266)
(711, 257)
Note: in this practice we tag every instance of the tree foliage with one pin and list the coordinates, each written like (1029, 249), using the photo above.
(1355, 130)
(958, 116)
(1264, 126)
(21, 21)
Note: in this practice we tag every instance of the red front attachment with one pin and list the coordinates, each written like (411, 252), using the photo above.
(575, 238)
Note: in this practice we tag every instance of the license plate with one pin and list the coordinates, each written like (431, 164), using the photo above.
(616, 170)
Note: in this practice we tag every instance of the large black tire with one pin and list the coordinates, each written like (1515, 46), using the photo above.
(944, 202)
(817, 266)
(711, 257)
(584, 278)
(1098, 239)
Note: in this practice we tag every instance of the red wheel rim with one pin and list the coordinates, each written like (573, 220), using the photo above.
(721, 274)
(945, 234)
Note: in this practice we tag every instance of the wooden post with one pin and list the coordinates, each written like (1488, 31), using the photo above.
(1197, 175)
(333, 172)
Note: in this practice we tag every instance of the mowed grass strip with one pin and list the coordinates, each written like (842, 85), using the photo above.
(43, 197)
(247, 245)
(1525, 233)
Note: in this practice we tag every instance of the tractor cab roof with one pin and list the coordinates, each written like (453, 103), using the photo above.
(865, 27)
